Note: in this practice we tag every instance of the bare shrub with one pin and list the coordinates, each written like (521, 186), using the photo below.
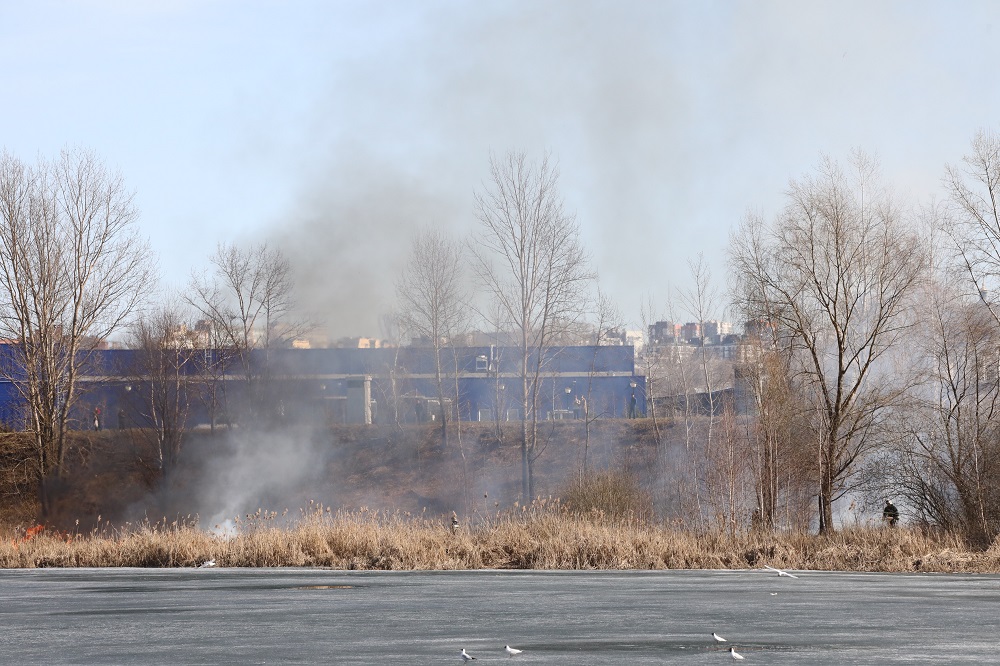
(609, 493)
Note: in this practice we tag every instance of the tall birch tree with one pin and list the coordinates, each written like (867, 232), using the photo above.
(530, 259)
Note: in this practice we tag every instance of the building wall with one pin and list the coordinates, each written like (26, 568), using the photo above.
(312, 385)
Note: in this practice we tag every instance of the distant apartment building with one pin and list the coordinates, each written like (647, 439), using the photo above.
(622, 337)
(691, 332)
(664, 333)
(712, 332)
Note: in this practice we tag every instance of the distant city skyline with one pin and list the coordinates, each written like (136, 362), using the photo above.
(336, 129)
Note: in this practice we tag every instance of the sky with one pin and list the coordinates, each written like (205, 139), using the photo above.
(337, 129)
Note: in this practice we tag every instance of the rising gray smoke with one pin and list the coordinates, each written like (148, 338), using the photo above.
(668, 120)
(349, 238)
(590, 83)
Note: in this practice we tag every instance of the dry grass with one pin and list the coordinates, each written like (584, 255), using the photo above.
(543, 536)
(599, 525)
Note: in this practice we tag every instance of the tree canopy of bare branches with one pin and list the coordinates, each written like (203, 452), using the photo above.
(833, 275)
(974, 216)
(530, 259)
(432, 302)
(160, 390)
(72, 270)
(248, 302)
(247, 297)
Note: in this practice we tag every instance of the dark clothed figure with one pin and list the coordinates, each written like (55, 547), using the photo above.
(890, 514)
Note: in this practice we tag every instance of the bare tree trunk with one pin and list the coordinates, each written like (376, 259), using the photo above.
(530, 259)
(72, 270)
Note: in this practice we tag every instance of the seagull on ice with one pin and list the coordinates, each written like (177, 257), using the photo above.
(780, 572)
(466, 657)
(736, 655)
(718, 637)
(511, 651)
(206, 564)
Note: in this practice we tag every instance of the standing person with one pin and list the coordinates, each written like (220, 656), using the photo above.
(97, 418)
(890, 513)
(631, 406)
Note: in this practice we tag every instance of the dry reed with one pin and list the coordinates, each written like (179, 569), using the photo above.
(542, 536)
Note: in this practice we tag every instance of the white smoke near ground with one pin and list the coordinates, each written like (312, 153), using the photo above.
(247, 471)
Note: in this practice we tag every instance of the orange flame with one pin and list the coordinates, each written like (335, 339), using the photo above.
(29, 534)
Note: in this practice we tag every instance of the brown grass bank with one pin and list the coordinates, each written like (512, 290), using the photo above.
(540, 537)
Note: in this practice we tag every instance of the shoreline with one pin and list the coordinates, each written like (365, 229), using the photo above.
(530, 540)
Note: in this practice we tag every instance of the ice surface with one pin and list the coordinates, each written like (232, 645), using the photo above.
(287, 616)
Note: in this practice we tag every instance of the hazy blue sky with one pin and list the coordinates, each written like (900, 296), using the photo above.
(337, 128)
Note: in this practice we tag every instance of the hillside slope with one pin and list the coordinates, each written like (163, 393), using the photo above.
(114, 475)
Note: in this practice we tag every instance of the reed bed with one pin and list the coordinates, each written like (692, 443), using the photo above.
(537, 537)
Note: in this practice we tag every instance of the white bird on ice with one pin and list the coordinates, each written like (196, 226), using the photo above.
(511, 651)
(466, 657)
(780, 572)
(718, 637)
(206, 564)
(736, 655)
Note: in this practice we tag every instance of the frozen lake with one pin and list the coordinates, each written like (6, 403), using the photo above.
(285, 616)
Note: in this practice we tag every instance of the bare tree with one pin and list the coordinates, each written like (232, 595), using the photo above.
(727, 474)
(779, 452)
(701, 300)
(706, 373)
(833, 275)
(609, 323)
(392, 328)
(530, 258)
(655, 356)
(431, 300)
(496, 322)
(160, 380)
(672, 375)
(974, 190)
(72, 270)
(946, 462)
(247, 299)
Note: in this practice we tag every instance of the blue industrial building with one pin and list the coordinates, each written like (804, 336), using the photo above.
(345, 385)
